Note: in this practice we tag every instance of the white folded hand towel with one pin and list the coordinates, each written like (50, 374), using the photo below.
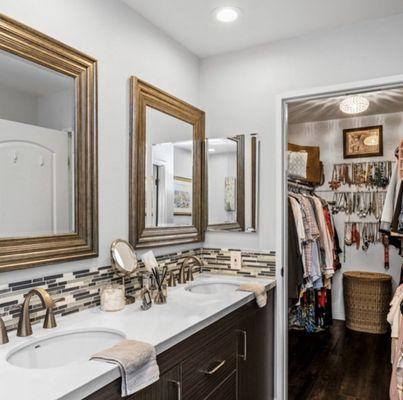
(137, 362)
(258, 289)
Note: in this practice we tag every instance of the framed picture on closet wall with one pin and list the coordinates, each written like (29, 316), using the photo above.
(363, 142)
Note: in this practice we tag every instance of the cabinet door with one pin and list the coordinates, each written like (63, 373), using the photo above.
(256, 354)
(171, 384)
(167, 388)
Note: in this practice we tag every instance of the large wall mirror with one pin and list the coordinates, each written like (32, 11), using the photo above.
(167, 169)
(233, 177)
(48, 197)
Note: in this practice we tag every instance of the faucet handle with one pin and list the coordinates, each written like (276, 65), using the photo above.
(190, 274)
(172, 279)
(3, 332)
(50, 320)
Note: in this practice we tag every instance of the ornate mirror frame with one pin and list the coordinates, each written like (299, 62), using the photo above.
(239, 225)
(24, 252)
(144, 95)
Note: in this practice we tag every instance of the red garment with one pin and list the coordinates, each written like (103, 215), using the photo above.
(329, 224)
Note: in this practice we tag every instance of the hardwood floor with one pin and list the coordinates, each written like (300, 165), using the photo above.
(339, 364)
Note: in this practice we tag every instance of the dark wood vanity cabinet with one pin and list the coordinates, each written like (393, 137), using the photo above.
(232, 359)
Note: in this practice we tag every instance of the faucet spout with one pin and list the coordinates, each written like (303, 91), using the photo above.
(24, 323)
(187, 262)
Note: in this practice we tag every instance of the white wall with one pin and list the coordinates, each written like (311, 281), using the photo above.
(238, 93)
(56, 110)
(328, 135)
(124, 44)
(18, 106)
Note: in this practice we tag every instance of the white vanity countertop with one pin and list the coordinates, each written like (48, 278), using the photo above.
(163, 326)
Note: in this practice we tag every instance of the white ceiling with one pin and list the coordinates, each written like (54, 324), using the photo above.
(190, 22)
(380, 102)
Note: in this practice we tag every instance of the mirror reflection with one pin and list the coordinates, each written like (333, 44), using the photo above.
(37, 140)
(124, 259)
(222, 182)
(169, 169)
(233, 168)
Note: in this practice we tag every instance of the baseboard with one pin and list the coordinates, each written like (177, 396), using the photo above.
(338, 316)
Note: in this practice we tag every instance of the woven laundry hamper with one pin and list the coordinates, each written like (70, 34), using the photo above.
(366, 300)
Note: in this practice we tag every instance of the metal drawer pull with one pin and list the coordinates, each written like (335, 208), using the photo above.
(178, 389)
(245, 346)
(215, 369)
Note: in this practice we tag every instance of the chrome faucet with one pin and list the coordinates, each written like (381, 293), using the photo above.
(186, 261)
(3, 332)
(24, 323)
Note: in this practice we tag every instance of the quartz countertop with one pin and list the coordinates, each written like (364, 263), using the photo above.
(163, 326)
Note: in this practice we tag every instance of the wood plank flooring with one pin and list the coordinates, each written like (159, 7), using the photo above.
(339, 364)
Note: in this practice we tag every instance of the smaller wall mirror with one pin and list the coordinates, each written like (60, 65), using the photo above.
(233, 171)
(167, 169)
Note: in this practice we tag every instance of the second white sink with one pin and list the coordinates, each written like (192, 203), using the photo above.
(212, 287)
(63, 348)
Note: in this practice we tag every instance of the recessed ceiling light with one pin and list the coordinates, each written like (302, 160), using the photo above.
(354, 105)
(211, 150)
(227, 14)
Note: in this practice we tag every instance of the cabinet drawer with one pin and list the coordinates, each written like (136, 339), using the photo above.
(226, 391)
(209, 367)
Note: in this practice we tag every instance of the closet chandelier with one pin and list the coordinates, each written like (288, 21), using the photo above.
(354, 105)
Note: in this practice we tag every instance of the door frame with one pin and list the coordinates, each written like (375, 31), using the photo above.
(282, 101)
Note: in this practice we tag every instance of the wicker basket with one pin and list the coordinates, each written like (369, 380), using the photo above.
(366, 301)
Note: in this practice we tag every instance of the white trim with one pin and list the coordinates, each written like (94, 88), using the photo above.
(281, 330)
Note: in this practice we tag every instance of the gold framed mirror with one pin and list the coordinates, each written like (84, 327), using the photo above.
(167, 174)
(48, 150)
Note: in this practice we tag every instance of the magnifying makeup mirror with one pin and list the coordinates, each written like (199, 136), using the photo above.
(124, 261)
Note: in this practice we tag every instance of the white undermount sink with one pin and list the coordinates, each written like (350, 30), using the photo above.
(212, 287)
(63, 348)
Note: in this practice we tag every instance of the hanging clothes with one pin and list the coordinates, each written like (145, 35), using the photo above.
(312, 258)
(296, 268)
(390, 201)
(395, 320)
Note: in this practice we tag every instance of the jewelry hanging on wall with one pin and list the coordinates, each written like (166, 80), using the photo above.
(372, 174)
(361, 203)
(361, 234)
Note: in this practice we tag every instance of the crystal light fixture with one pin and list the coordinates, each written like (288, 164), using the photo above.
(354, 105)
(227, 14)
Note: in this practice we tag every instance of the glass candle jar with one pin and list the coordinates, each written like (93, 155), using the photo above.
(113, 298)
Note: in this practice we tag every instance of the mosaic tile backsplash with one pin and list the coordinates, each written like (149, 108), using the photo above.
(79, 290)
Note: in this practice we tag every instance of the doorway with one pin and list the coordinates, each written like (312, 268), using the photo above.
(284, 102)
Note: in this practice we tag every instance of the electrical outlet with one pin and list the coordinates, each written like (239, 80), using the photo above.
(236, 260)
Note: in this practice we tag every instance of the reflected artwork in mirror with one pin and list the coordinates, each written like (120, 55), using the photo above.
(232, 165)
(48, 150)
(167, 169)
(37, 142)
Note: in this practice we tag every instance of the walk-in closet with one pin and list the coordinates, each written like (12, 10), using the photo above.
(345, 229)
